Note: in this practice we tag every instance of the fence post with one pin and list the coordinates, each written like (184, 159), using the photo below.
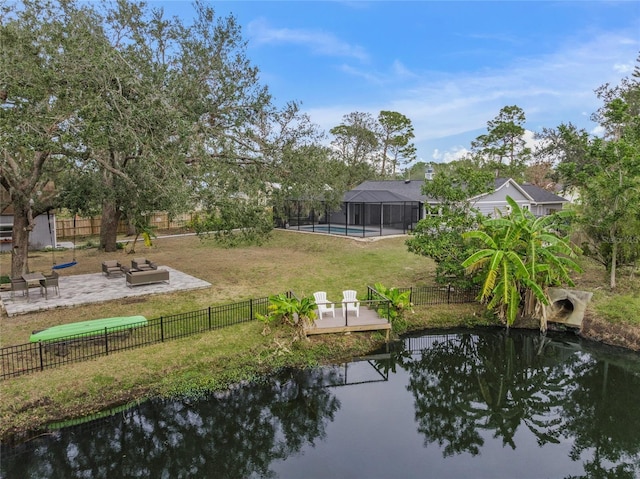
(411, 294)
(161, 330)
(251, 309)
(106, 342)
(41, 358)
(209, 314)
(448, 293)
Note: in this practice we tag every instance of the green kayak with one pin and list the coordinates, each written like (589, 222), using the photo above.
(88, 328)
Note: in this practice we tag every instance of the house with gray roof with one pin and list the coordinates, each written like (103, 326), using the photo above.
(376, 208)
(539, 201)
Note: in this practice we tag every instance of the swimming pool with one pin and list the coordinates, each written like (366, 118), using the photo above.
(338, 230)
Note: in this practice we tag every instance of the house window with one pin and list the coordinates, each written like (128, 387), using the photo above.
(5, 233)
(526, 207)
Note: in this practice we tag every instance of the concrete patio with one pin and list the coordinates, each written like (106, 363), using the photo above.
(94, 288)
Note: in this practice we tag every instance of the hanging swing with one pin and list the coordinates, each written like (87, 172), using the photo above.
(53, 249)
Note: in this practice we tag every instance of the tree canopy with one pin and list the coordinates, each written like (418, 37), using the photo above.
(448, 216)
(373, 148)
(503, 148)
(117, 109)
(605, 173)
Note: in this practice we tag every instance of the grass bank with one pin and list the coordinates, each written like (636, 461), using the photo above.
(211, 361)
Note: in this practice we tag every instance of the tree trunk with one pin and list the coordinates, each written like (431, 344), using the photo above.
(20, 235)
(109, 226)
(131, 228)
(614, 259)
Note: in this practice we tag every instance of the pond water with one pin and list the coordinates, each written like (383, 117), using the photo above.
(488, 404)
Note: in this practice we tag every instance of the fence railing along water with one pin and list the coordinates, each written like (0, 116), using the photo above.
(446, 294)
(32, 357)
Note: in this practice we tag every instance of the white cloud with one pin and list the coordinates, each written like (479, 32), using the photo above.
(319, 42)
(370, 77)
(623, 68)
(452, 154)
(401, 71)
(550, 89)
(530, 141)
(448, 111)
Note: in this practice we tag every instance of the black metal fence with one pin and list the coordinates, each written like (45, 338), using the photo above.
(433, 295)
(32, 357)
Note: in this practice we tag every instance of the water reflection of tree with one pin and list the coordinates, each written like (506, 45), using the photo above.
(466, 384)
(232, 435)
(601, 412)
(475, 382)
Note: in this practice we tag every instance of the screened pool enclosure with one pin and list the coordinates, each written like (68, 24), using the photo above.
(363, 214)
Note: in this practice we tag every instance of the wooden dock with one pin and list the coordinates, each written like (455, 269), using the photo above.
(368, 320)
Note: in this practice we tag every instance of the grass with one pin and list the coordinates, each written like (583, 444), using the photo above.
(212, 361)
(620, 309)
(621, 306)
(303, 263)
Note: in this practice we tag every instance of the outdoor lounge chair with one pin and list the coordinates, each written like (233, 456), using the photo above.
(323, 304)
(350, 303)
(112, 268)
(142, 264)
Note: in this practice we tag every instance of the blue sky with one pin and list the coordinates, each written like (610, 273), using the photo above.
(448, 66)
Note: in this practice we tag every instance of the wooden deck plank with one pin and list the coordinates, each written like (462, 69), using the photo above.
(367, 321)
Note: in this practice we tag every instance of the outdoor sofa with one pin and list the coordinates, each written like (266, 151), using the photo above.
(150, 276)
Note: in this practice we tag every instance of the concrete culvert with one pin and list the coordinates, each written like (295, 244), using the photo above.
(567, 306)
(564, 308)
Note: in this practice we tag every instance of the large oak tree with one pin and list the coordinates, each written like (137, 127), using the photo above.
(43, 79)
(126, 111)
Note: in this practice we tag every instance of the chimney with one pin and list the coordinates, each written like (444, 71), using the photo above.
(428, 174)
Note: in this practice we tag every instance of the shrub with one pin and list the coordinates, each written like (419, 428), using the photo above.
(400, 303)
(290, 311)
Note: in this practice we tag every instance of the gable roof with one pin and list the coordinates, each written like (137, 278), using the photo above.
(533, 193)
(375, 196)
(391, 191)
(387, 191)
(540, 195)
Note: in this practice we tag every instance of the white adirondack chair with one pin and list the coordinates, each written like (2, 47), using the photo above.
(323, 304)
(350, 303)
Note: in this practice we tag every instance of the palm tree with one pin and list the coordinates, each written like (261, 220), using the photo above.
(524, 255)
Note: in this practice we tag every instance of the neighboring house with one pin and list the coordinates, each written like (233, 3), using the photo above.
(40, 237)
(530, 197)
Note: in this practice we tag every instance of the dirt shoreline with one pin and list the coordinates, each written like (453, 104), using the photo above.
(621, 335)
